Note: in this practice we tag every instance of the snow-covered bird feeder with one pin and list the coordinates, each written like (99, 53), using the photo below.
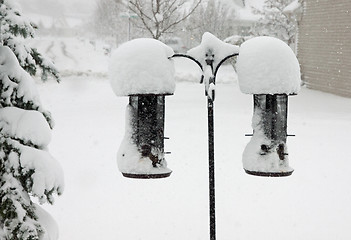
(268, 69)
(143, 70)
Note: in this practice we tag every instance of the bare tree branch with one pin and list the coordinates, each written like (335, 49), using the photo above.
(185, 17)
(138, 10)
(160, 16)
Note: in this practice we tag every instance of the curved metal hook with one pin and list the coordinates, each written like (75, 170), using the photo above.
(187, 56)
(191, 58)
(223, 60)
(199, 64)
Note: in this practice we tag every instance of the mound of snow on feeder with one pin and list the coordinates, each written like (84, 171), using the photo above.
(218, 48)
(267, 65)
(142, 66)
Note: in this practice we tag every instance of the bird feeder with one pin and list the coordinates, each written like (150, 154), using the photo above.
(146, 123)
(269, 137)
(272, 112)
(268, 69)
(142, 69)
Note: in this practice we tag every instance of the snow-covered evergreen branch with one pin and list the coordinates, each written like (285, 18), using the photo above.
(14, 28)
(27, 170)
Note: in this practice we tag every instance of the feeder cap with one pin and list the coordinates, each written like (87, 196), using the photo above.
(142, 66)
(267, 65)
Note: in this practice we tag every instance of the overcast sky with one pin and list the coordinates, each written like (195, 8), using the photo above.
(53, 7)
(82, 8)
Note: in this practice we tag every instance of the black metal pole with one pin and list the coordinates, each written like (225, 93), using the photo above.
(209, 58)
(211, 169)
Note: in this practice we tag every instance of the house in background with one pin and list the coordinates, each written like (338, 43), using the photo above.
(324, 45)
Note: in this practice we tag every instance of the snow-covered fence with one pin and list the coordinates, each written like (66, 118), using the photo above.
(268, 69)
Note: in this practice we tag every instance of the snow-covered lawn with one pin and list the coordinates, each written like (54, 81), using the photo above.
(98, 203)
(74, 56)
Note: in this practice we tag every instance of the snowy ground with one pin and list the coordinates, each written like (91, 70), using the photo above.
(98, 203)
(74, 56)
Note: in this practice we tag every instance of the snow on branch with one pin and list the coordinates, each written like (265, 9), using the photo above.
(19, 221)
(15, 79)
(27, 126)
(12, 21)
(48, 174)
(41, 173)
(14, 28)
(17, 87)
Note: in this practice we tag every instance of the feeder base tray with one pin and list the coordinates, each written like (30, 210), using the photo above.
(146, 176)
(269, 174)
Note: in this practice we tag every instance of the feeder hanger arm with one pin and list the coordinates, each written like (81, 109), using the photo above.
(214, 70)
(222, 61)
(193, 59)
(187, 56)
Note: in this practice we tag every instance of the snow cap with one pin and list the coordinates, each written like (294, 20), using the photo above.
(219, 49)
(26, 125)
(267, 65)
(10, 68)
(142, 66)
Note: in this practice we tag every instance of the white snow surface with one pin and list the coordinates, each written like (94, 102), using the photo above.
(74, 56)
(267, 65)
(218, 48)
(99, 203)
(142, 66)
(48, 223)
(29, 126)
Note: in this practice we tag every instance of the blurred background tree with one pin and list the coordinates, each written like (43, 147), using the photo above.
(211, 16)
(275, 22)
(159, 17)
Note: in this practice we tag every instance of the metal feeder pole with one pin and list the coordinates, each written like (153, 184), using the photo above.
(211, 169)
(210, 109)
(211, 162)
